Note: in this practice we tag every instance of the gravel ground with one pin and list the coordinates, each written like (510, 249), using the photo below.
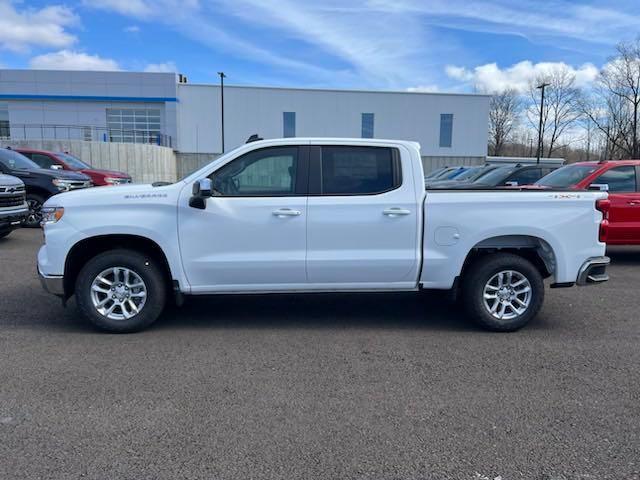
(320, 386)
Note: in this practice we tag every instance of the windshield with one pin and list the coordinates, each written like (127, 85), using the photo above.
(495, 176)
(567, 176)
(16, 161)
(73, 162)
(435, 173)
(483, 173)
(451, 173)
(468, 174)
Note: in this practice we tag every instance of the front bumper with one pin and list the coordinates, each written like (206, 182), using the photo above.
(13, 218)
(593, 271)
(53, 284)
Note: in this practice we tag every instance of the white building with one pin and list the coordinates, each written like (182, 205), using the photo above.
(160, 108)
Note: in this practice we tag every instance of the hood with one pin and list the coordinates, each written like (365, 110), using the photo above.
(61, 174)
(114, 195)
(106, 173)
(9, 181)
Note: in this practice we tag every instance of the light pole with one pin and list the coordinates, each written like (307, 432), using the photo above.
(222, 77)
(541, 87)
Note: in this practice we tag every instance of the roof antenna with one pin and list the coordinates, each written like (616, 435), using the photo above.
(254, 138)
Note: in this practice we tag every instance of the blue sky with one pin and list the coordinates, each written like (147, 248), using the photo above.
(445, 45)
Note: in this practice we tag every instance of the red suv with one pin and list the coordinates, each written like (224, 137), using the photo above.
(66, 161)
(621, 178)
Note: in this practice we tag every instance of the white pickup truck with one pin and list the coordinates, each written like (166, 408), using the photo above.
(317, 215)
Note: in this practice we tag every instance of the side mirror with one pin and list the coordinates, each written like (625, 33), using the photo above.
(600, 187)
(55, 166)
(201, 191)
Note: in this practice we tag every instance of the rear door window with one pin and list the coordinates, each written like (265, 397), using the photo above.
(619, 179)
(353, 170)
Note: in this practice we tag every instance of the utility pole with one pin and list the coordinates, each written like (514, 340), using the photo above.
(539, 153)
(222, 77)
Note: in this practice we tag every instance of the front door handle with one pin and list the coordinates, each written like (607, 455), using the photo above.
(634, 203)
(394, 211)
(286, 212)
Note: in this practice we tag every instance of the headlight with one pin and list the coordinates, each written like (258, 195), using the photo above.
(61, 184)
(51, 215)
(116, 181)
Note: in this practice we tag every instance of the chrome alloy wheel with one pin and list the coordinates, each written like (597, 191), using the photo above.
(35, 212)
(118, 293)
(507, 295)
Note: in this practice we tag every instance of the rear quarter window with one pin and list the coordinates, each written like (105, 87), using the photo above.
(619, 179)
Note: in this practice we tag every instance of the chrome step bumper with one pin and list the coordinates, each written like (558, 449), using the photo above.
(594, 270)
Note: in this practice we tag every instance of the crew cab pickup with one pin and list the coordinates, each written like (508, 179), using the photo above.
(316, 215)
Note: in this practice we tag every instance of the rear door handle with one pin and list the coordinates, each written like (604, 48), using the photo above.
(394, 211)
(286, 212)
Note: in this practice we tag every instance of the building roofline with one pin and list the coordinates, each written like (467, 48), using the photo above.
(265, 87)
(40, 70)
(338, 90)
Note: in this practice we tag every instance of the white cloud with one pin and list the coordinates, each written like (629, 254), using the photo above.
(30, 27)
(71, 60)
(166, 67)
(491, 78)
(132, 29)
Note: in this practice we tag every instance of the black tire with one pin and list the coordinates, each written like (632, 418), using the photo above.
(4, 233)
(483, 271)
(35, 203)
(145, 267)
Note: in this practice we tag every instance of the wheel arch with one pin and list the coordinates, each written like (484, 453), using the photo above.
(535, 249)
(87, 248)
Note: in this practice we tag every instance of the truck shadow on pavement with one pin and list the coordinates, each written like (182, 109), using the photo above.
(424, 311)
(318, 310)
(624, 256)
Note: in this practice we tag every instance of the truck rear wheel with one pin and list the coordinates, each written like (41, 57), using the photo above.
(502, 291)
(121, 291)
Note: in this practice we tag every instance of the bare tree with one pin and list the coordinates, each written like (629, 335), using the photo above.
(561, 108)
(614, 106)
(504, 111)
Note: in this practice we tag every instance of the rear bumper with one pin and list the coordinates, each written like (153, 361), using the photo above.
(593, 270)
(53, 284)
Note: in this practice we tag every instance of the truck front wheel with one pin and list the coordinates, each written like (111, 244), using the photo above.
(121, 291)
(502, 291)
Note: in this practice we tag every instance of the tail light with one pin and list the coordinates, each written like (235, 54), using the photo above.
(603, 206)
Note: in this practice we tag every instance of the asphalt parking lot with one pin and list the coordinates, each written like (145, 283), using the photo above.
(320, 386)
